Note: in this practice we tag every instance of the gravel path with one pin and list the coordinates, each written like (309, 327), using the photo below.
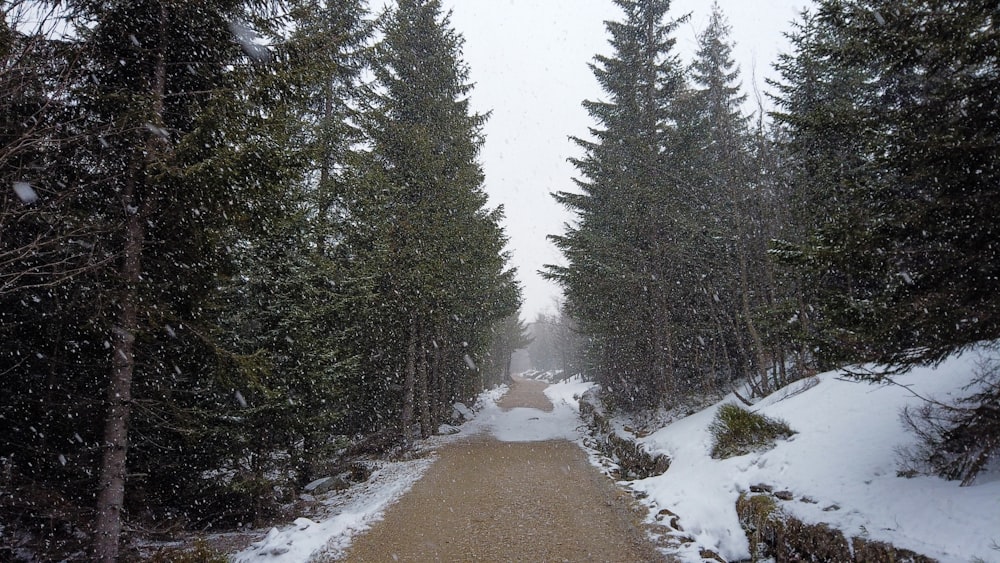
(485, 500)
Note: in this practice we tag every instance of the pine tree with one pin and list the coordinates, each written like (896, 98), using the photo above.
(616, 282)
(725, 174)
(899, 128)
(819, 133)
(422, 231)
(508, 336)
(295, 273)
(163, 87)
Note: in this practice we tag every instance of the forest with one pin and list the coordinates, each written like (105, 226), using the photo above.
(716, 251)
(243, 240)
(236, 239)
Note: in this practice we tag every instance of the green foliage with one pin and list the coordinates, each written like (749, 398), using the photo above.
(667, 269)
(617, 282)
(737, 431)
(420, 230)
(900, 180)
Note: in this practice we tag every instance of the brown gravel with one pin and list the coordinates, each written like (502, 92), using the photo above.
(526, 393)
(485, 500)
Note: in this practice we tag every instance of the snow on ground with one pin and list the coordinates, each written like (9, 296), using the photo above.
(844, 455)
(532, 425)
(351, 512)
(568, 392)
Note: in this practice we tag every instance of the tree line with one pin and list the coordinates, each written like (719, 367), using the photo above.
(237, 238)
(853, 224)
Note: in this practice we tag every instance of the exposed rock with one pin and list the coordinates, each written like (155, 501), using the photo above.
(707, 554)
(784, 495)
(635, 462)
(327, 484)
(761, 488)
(355, 472)
(674, 520)
(775, 535)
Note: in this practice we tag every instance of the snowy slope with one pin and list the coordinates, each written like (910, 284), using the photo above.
(845, 454)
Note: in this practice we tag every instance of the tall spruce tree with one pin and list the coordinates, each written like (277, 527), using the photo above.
(891, 106)
(716, 156)
(617, 283)
(826, 158)
(177, 174)
(422, 230)
(294, 273)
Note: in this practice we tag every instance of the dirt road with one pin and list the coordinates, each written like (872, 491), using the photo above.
(486, 500)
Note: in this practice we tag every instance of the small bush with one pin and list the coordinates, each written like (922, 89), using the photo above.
(737, 431)
(957, 440)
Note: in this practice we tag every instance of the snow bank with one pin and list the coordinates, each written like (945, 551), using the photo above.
(844, 455)
(568, 392)
(351, 512)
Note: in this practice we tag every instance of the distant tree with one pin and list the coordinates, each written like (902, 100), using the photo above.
(508, 336)
(556, 344)
(542, 350)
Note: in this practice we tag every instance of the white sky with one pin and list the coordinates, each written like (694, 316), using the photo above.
(528, 59)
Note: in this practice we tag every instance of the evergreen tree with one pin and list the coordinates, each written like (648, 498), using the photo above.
(725, 169)
(50, 257)
(421, 229)
(295, 273)
(818, 131)
(618, 282)
(508, 336)
(890, 105)
(178, 173)
(556, 344)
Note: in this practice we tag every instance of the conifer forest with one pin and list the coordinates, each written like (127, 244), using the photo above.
(244, 240)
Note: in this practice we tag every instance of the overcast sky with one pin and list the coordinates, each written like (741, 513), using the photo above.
(528, 59)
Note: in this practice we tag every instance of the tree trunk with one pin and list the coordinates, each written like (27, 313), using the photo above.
(111, 494)
(326, 162)
(758, 345)
(509, 355)
(806, 366)
(426, 423)
(442, 382)
(409, 384)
